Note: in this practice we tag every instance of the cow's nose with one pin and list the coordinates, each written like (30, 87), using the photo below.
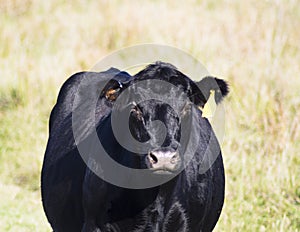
(164, 160)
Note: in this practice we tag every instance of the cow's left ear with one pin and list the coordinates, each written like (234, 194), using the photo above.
(203, 88)
(115, 86)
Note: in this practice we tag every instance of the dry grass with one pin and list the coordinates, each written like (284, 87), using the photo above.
(254, 45)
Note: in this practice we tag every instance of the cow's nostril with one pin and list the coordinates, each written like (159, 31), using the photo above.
(153, 159)
(174, 158)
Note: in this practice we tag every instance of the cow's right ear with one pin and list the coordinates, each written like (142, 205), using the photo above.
(115, 86)
(206, 86)
(112, 90)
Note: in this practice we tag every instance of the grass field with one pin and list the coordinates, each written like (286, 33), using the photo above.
(255, 45)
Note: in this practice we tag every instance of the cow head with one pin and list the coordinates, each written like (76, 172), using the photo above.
(158, 99)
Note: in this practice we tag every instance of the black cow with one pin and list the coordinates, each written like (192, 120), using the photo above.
(189, 197)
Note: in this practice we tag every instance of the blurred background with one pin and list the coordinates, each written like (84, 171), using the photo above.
(255, 45)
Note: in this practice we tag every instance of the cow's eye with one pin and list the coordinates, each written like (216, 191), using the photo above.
(136, 112)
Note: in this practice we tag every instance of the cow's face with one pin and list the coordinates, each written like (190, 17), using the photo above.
(158, 123)
(157, 112)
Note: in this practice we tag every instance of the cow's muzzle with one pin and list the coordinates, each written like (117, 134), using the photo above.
(163, 161)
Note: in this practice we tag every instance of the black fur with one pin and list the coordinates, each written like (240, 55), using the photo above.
(75, 199)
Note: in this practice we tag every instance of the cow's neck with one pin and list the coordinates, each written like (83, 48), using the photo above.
(166, 190)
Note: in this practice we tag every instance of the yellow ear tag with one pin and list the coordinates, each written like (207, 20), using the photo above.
(210, 106)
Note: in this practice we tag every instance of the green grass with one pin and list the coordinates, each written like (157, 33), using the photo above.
(254, 45)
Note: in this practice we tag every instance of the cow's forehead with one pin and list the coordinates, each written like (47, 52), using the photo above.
(175, 77)
(175, 87)
(155, 96)
(162, 107)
